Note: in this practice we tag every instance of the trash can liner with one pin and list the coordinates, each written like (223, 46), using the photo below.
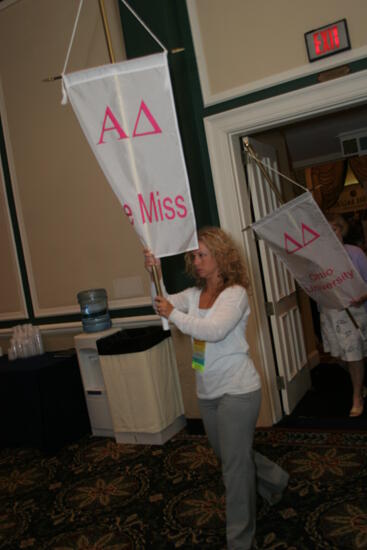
(141, 378)
(131, 340)
(143, 388)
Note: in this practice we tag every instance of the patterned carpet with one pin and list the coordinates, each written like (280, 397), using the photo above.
(96, 495)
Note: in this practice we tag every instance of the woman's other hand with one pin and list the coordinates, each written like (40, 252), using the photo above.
(162, 306)
(357, 302)
(150, 260)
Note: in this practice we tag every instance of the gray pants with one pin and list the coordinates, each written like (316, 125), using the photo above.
(230, 422)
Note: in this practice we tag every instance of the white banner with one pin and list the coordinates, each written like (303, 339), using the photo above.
(127, 113)
(299, 234)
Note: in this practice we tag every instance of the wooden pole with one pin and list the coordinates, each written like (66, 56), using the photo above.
(156, 280)
(252, 153)
(106, 31)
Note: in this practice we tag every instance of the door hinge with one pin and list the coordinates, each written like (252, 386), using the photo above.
(269, 307)
(280, 383)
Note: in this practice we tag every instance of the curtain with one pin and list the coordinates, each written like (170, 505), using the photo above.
(359, 167)
(328, 182)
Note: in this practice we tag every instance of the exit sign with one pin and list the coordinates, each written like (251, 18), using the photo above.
(327, 40)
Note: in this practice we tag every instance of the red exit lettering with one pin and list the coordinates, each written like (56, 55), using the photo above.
(326, 40)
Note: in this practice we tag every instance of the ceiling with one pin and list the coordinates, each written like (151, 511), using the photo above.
(315, 141)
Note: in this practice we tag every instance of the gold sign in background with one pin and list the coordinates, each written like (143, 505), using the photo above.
(352, 198)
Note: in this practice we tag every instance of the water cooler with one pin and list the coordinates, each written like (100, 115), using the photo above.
(94, 386)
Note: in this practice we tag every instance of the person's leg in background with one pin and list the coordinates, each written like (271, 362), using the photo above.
(348, 343)
(356, 371)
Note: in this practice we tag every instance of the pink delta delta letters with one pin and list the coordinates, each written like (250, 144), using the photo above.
(116, 126)
(152, 208)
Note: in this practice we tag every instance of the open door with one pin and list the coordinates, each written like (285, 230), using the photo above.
(279, 286)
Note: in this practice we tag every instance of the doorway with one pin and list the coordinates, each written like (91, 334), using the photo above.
(266, 192)
(291, 150)
(223, 133)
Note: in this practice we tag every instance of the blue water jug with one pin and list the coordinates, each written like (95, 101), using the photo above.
(94, 309)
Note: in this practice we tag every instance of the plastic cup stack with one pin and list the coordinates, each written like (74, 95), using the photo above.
(26, 341)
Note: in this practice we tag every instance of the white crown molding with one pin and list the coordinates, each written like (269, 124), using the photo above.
(322, 98)
(211, 98)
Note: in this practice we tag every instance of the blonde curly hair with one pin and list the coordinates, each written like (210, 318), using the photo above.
(230, 261)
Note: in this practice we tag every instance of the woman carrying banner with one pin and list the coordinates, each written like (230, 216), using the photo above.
(215, 313)
(339, 335)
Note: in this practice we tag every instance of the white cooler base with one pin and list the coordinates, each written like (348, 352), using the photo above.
(158, 438)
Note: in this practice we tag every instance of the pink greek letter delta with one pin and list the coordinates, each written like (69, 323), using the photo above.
(306, 239)
(109, 116)
(115, 126)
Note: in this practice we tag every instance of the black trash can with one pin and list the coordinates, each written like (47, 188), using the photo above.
(141, 378)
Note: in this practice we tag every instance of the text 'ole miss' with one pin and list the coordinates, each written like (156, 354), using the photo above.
(158, 209)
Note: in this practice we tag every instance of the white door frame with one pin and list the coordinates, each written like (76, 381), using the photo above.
(223, 131)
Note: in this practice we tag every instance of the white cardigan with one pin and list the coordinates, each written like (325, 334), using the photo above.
(228, 367)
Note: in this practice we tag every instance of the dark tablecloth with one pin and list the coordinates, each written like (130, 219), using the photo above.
(42, 402)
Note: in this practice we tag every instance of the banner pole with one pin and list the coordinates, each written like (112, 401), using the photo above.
(264, 172)
(158, 288)
(352, 318)
(157, 283)
(112, 59)
(106, 31)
